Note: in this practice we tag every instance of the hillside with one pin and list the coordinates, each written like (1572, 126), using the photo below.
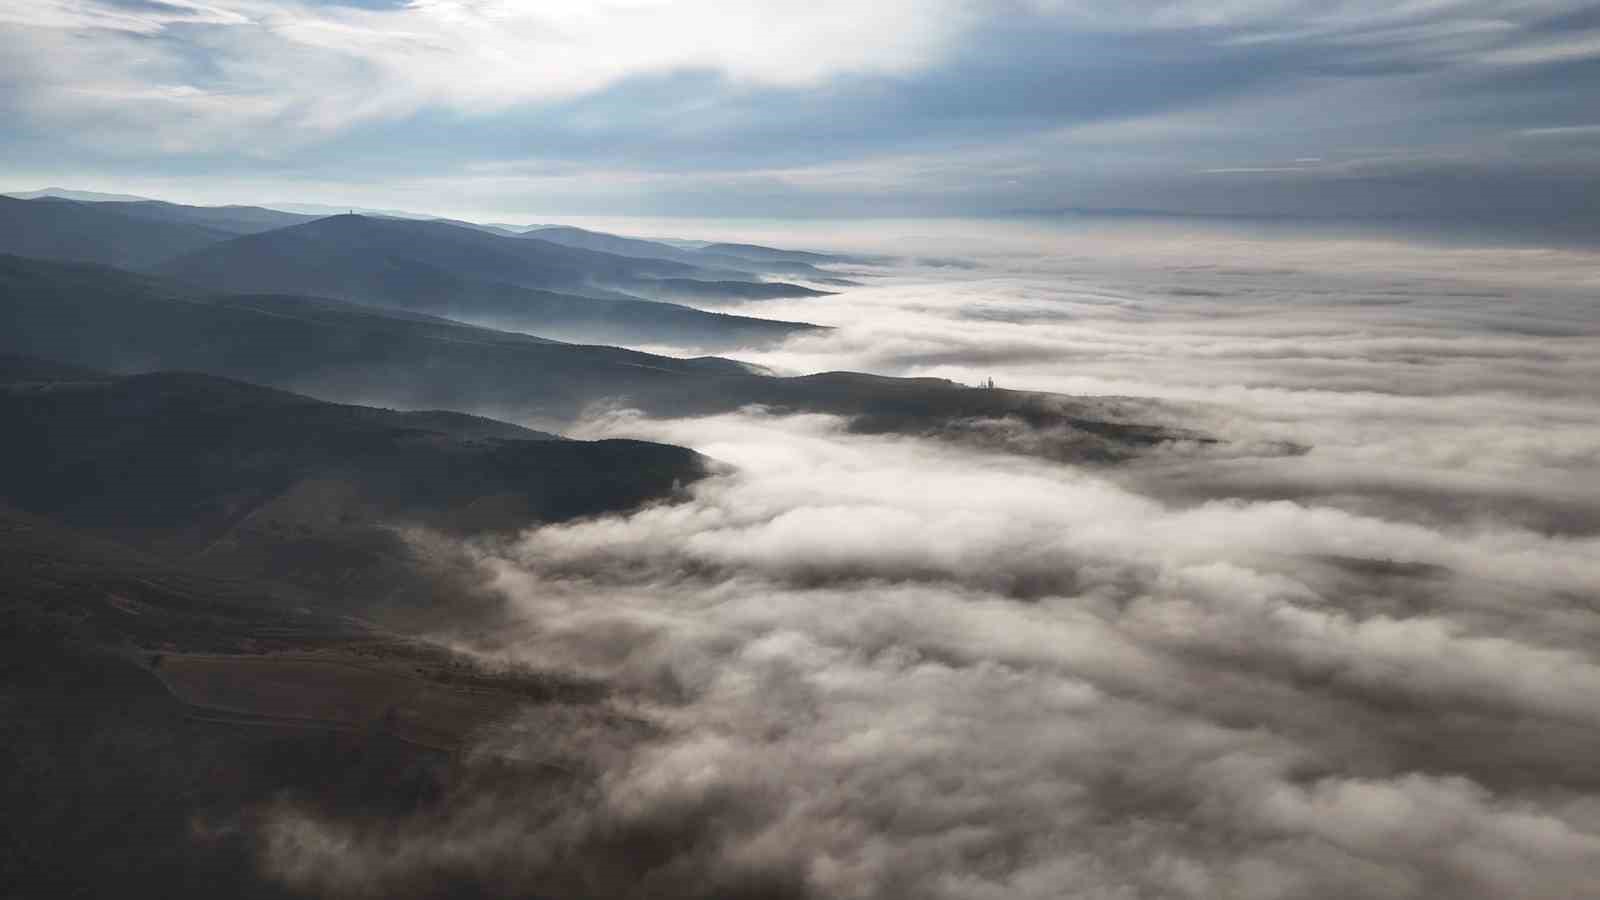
(153, 711)
(468, 274)
(261, 483)
(363, 257)
(181, 558)
(235, 220)
(68, 230)
(105, 318)
(697, 256)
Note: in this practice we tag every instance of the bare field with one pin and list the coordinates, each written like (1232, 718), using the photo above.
(337, 693)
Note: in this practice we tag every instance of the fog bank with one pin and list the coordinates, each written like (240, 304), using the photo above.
(858, 666)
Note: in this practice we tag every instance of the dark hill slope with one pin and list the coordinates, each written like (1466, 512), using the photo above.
(234, 220)
(302, 258)
(49, 228)
(177, 460)
(721, 263)
(568, 236)
(692, 290)
(105, 318)
(758, 252)
(467, 274)
(153, 713)
(159, 699)
(263, 484)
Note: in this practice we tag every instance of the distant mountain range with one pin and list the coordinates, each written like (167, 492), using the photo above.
(248, 457)
(467, 272)
(236, 220)
(366, 309)
(733, 258)
(51, 228)
(760, 259)
(106, 318)
(68, 194)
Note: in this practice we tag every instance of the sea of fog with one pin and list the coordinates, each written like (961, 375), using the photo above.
(857, 666)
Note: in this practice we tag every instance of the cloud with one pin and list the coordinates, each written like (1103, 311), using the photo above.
(859, 666)
(324, 69)
(852, 698)
(934, 105)
(1564, 131)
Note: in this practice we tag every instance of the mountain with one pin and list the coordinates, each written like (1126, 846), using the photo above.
(153, 712)
(715, 291)
(321, 210)
(568, 236)
(758, 252)
(235, 220)
(498, 230)
(260, 483)
(301, 258)
(83, 196)
(94, 232)
(181, 556)
(724, 265)
(472, 275)
(105, 318)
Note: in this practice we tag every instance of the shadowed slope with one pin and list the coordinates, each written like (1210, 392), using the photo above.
(104, 318)
(702, 257)
(263, 483)
(90, 232)
(121, 776)
(235, 220)
(469, 274)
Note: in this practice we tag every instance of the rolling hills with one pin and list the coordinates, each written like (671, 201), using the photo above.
(181, 556)
(750, 262)
(261, 483)
(468, 274)
(105, 318)
(51, 228)
(459, 270)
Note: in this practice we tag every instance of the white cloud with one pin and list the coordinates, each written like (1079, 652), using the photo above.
(850, 697)
(309, 70)
(1545, 52)
(1562, 131)
(882, 667)
(266, 77)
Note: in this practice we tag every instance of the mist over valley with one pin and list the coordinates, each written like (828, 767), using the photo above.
(922, 450)
(1256, 543)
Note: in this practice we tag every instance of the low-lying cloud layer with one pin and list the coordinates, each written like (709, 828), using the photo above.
(867, 667)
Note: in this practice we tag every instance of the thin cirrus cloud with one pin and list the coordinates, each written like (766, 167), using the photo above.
(471, 55)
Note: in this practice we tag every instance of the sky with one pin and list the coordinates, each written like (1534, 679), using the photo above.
(1450, 109)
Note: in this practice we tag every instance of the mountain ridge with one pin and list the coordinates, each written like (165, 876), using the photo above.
(100, 317)
(468, 274)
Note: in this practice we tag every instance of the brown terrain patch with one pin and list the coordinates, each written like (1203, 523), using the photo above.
(296, 690)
